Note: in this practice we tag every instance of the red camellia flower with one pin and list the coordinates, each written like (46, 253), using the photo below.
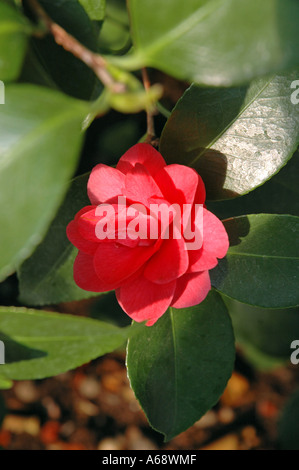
(147, 234)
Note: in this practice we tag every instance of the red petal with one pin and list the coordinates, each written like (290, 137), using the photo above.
(83, 210)
(200, 195)
(178, 183)
(114, 262)
(104, 184)
(110, 222)
(143, 300)
(87, 225)
(85, 275)
(215, 244)
(140, 186)
(144, 154)
(191, 289)
(170, 262)
(100, 222)
(78, 241)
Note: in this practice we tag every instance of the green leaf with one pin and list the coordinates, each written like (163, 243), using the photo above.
(262, 264)
(115, 31)
(258, 359)
(271, 331)
(215, 42)
(40, 135)
(46, 277)
(94, 8)
(42, 344)
(5, 384)
(14, 30)
(236, 138)
(70, 74)
(279, 195)
(288, 425)
(178, 368)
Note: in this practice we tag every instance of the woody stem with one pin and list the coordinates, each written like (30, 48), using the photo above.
(151, 135)
(95, 61)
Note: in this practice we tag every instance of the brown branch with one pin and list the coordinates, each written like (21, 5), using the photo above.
(95, 61)
(151, 134)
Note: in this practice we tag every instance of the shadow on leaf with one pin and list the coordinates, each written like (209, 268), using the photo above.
(16, 352)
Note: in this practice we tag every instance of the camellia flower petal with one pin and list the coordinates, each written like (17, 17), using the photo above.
(147, 234)
(191, 289)
(144, 300)
(104, 184)
(143, 154)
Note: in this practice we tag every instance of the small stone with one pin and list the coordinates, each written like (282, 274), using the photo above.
(26, 391)
(208, 420)
(20, 424)
(52, 408)
(137, 440)
(109, 443)
(228, 442)
(112, 382)
(267, 409)
(235, 390)
(226, 415)
(89, 388)
(250, 438)
(87, 408)
(49, 432)
(5, 438)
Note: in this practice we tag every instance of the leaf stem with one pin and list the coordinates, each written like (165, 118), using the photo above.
(93, 60)
(151, 135)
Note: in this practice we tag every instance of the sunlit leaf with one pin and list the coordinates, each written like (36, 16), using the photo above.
(236, 138)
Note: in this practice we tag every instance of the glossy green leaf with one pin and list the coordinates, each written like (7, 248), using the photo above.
(236, 138)
(14, 30)
(47, 276)
(279, 195)
(215, 42)
(288, 425)
(42, 344)
(69, 74)
(271, 331)
(178, 368)
(40, 135)
(262, 264)
(94, 8)
(33, 72)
